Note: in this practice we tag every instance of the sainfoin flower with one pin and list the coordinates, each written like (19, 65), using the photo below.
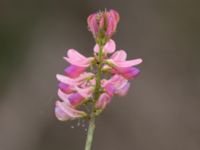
(81, 84)
(88, 84)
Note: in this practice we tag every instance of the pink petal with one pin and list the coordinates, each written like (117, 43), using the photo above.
(77, 59)
(120, 55)
(101, 22)
(114, 84)
(84, 76)
(96, 48)
(79, 63)
(75, 99)
(74, 71)
(61, 115)
(65, 79)
(130, 73)
(92, 24)
(86, 92)
(65, 88)
(64, 112)
(109, 47)
(111, 26)
(103, 100)
(115, 14)
(63, 96)
(128, 63)
(110, 89)
(123, 90)
(72, 53)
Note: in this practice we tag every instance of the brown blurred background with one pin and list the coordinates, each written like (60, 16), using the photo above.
(162, 109)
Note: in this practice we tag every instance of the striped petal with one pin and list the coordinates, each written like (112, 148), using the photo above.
(119, 55)
(65, 79)
(103, 100)
(123, 64)
(64, 112)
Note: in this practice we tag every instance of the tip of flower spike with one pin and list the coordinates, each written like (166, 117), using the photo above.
(103, 24)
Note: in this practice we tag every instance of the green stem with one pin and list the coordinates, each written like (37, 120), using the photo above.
(90, 133)
(91, 128)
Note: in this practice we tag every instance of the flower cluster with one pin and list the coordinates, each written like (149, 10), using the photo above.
(95, 80)
(77, 85)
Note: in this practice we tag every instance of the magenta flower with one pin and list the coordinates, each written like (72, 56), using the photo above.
(88, 84)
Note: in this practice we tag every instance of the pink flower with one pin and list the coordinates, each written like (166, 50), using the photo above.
(117, 63)
(64, 111)
(75, 81)
(116, 85)
(118, 60)
(73, 99)
(128, 73)
(103, 100)
(103, 24)
(78, 61)
(73, 91)
(123, 90)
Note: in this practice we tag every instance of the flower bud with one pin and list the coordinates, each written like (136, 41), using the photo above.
(103, 24)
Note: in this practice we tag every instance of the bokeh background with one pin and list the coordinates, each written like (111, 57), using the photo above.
(162, 109)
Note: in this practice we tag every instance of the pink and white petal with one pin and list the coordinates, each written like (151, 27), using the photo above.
(63, 96)
(73, 54)
(65, 88)
(128, 63)
(70, 112)
(96, 48)
(110, 46)
(60, 114)
(79, 63)
(65, 79)
(103, 100)
(129, 73)
(75, 99)
(123, 90)
(86, 92)
(73, 71)
(84, 76)
(120, 55)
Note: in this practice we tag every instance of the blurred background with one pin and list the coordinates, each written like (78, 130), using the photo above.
(162, 109)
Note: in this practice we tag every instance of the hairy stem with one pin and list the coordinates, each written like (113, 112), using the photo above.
(91, 128)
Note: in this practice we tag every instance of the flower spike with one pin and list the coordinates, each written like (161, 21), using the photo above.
(88, 84)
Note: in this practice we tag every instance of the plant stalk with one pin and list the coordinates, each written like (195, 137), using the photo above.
(91, 128)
